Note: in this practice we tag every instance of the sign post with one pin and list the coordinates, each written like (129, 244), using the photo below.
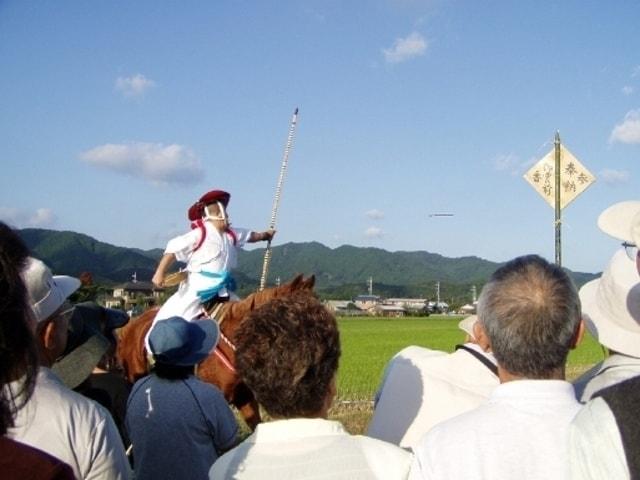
(559, 178)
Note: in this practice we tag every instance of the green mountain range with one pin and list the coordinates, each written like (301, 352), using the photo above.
(341, 273)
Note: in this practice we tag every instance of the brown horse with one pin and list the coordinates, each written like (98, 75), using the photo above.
(219, 367)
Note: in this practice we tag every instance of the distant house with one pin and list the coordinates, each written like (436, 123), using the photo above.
(468, 309)
(342, 308)
(366, 302)
(410, 304)
(440, 307)
(388, 311)
(134, 297)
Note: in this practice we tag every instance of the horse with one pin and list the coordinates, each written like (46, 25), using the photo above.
(219, 367)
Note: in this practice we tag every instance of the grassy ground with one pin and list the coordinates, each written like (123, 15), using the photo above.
(368, 344)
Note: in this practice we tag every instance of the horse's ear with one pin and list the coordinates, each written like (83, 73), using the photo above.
(295, 283)
(310, 282)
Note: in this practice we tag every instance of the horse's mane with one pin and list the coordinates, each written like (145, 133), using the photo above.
(239, 309)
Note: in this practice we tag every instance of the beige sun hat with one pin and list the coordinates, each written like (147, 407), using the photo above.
(611, 306)
(466, 325)
(620, 219)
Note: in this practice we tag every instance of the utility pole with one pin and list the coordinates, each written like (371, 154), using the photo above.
(370, 284)
(437, 293)
(473, 294)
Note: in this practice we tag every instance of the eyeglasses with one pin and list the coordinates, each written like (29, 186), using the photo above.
(66, 311)
(631, 250)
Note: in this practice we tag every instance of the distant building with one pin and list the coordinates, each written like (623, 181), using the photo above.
(410, 304)
(388, 311)
(134, 297)
(342, 308)
(366, 302)
(438, 307)
(468, 309)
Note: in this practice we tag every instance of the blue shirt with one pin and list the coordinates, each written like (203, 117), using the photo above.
(178, 428)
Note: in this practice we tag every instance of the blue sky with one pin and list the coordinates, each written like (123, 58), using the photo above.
(117, 115)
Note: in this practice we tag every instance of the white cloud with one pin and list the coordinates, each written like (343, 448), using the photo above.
(158, 163)
(511, 163)
(405, 48)
(627, 90)
(614, 177)
(373, 232)
(629, 130)
(40, 218)
(375, 214)
(134, 86)
(504, 162)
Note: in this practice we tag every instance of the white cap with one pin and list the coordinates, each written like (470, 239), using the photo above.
(46, 292)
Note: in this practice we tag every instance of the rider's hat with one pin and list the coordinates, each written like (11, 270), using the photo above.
(196, 210)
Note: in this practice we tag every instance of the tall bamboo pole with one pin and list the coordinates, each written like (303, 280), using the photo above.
(276, 198)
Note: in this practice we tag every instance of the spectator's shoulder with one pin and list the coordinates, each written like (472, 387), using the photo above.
(386, 459)
(56, 393)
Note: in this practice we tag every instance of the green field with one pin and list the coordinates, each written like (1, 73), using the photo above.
(369, 342)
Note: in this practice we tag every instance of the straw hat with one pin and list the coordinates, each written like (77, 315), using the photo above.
(611, 306)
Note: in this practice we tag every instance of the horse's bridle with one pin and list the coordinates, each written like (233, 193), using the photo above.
(226, 361)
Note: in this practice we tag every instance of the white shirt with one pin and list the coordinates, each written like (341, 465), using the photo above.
(595, 446)
(520, 433)
(310, 448)
(72, 428)
(217, 254)
(423, 387)
(614, 369)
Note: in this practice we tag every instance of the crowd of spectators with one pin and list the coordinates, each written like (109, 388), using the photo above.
(499, 406)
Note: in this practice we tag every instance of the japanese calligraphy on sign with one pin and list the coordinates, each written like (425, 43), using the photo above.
(574, 177)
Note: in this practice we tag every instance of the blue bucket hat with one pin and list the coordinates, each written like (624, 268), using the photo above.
(175, 341)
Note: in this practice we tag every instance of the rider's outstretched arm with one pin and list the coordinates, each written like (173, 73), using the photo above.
(261, 236)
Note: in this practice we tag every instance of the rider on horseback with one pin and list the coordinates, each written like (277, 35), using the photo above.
(210, 252)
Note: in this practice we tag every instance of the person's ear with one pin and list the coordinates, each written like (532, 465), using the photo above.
(481, 337)
(578, 335)
(48, 335)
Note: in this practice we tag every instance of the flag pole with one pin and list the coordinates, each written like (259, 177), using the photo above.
(558, 219)
(276, 199)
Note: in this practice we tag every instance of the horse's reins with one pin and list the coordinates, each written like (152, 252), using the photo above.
(226, 361)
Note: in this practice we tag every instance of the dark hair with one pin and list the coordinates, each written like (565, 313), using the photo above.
(287, 352)
(530, 310)
(18, 352)
(172, 372)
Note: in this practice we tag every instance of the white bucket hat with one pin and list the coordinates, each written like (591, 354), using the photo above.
(466, 325)
(620, 220)
(635, 229)
(611, 306)
(47, 292)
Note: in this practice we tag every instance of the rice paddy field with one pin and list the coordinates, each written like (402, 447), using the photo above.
(369, 342)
